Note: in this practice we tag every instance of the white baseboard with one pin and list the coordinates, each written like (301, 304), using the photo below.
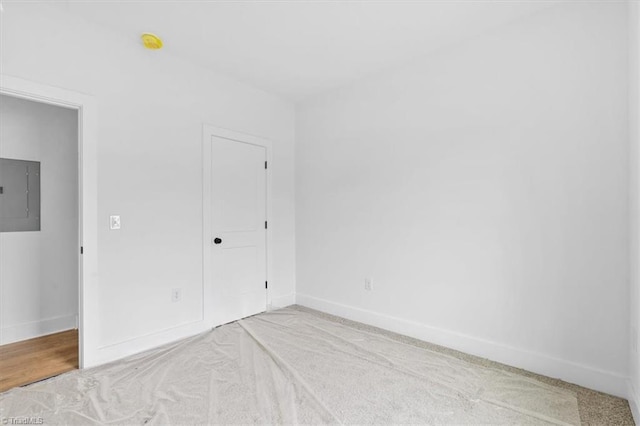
(283, 301)
(116, 351)
(583, 375)
(634, 402)
(29, 330)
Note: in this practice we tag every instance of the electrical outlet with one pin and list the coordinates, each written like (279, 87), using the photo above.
(176, 295)
(114, 222)
(368, 284)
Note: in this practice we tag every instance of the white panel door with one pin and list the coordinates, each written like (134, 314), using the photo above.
(238, 227)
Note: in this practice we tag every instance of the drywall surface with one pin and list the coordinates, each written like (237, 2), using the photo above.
(484, 189)
(39, 270)
(634, 134)
(151, 108)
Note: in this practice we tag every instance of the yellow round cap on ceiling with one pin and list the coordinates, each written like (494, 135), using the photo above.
(151, 41)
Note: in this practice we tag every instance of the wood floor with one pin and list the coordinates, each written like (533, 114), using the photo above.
(36, 359)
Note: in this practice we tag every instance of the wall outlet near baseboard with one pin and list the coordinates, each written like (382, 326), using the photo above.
(176, 294)
(368, 284)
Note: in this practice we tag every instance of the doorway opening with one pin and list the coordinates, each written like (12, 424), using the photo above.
(40, 240)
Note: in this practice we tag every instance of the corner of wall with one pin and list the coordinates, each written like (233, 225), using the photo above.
(634, 207)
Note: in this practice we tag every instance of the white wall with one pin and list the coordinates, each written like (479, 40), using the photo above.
(151, 107)
(39, 270)
(634, 130)
(485, 190)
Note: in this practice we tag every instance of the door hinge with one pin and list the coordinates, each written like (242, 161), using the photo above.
(265, 224)
(81, 250)
(266, 284)
(265, 164)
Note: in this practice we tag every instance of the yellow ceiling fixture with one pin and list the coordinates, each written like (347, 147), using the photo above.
(151, 41)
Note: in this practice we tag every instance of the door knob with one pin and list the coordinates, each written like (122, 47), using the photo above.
(217, 240)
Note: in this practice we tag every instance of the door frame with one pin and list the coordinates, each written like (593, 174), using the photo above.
(88, 319)
(208, 131)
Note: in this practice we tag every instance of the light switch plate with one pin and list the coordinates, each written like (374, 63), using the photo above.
(114, 222)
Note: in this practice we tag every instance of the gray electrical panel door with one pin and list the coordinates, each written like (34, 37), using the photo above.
(19, 195)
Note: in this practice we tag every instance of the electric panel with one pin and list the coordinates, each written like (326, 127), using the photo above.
(19, 195)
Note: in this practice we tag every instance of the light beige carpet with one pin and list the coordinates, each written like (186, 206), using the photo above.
(291, 366)
(596, 408)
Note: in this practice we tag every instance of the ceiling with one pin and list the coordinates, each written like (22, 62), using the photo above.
(297, 49)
